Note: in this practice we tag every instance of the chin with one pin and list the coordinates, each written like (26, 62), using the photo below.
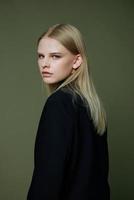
(53, 82)
(49, 81)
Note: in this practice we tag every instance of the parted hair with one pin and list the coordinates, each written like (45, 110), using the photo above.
(80, 82)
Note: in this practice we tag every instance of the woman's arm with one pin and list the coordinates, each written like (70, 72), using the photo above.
(51, 148)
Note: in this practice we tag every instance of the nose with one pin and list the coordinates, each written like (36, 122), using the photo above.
(45, 63)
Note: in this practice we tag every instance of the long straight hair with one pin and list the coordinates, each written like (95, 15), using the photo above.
(80, 81)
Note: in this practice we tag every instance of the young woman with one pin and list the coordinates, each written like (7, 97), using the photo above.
(71, 159)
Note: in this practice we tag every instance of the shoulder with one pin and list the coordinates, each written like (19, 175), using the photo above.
(59, 101)
(64, 100)
(60, 97)
(66, 96)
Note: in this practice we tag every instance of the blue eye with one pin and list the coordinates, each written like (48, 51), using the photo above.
(40, 56)
(56, 56)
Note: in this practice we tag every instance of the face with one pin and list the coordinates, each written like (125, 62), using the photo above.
(55, 61)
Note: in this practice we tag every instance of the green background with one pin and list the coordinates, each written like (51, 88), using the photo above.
(108, 29)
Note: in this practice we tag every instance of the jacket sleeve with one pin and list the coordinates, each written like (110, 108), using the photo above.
(51, 150)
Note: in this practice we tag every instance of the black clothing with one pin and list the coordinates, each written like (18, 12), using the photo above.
(70, 159)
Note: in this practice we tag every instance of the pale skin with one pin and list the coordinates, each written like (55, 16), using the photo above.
(54, 58)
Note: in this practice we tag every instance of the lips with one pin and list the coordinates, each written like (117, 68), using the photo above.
(46, 73)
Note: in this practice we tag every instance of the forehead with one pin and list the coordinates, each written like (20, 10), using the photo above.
(49, 44)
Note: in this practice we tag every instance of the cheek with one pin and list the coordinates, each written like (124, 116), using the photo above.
(67, 67)
(39, 63)
(64, 64)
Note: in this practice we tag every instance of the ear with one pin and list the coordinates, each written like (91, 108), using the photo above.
(77, 61)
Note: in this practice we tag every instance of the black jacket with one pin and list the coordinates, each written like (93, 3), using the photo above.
(70, 159)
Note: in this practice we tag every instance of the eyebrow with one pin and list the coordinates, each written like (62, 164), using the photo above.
(51, 53)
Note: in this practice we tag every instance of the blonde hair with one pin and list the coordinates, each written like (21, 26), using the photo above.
(80, 81)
